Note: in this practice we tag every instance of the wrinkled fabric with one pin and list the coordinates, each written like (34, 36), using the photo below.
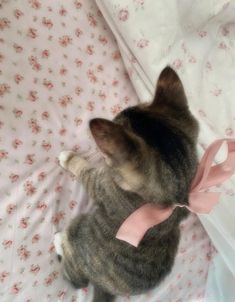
(197, 39)
(59, 67)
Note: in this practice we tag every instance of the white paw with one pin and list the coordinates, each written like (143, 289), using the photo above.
(58, 243)
(64, 157)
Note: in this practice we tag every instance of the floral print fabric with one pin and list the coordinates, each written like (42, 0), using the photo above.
(59, 67)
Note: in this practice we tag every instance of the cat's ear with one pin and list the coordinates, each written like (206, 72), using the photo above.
(170, 90)
(112, 139)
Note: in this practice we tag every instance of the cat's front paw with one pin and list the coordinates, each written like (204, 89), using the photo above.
(64, 158)
(58, 245)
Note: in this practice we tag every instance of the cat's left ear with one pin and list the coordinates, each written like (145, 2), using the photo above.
(112, 139)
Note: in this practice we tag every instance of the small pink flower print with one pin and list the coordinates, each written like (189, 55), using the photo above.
(102, 95)
(3, 154)
(48, 84)
(17, 112)
(78, 32)
(177, 64)
(3, 276)
(77, 4)
(77, 121)
(73, 299)
(47, 22)
(65, 100)
(18, 48)
(65, 40)
(51, 278)
(78, 62)
(4, 88)
(23, 252)
(41, 176)
(10, 208)
(126, 99)
(35, 238)
(62, 131)
(91, 76)
(225, 31)
(58, 188)
(16, 287)
(62, 11)
(192, 59)
(51, 249)
(33, 124)
(116, 55)
(32, 95)
(72, 204)
(30, 159)
(63, 71)
(139, 2)
(222, 45)
(18, 78)
(14, 177)
(34, 269)
(33, 61)
(24, 222)
(32, 33)
(115, 82)
(90, 106)
(229, 132)
(35, 4)
(4, 23)
(142, 43)
(18, 13)
(16, 143)
(7, 243)
(76, 148)
(61, 294)
(45, 115)
(123, 15)
(41, 205)
(202, 33)
(78, 90)
(216, 91)
(103, 40)
(92, 20)
(100, 68)
(90, 49)
(45, 54)
(208, 66)
(57, 217)
(116, 109)
(46, 146)
(29, 188)
(1, 57)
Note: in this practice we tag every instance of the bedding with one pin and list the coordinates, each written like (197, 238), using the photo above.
(60, 65)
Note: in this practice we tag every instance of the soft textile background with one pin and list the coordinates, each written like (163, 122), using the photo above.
(59, 67)
(197, 38)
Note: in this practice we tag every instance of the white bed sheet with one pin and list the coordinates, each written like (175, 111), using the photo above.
(59, 67)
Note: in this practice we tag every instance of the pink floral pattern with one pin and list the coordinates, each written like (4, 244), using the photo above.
(60, 66)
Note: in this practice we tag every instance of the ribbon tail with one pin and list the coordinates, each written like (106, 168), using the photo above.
(136, 225)
(203, 202)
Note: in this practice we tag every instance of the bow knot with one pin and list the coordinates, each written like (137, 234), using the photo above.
(201, 201)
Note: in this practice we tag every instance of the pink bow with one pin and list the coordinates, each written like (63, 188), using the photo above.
(200, 200)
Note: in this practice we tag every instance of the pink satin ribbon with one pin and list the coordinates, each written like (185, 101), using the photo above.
(200, 200)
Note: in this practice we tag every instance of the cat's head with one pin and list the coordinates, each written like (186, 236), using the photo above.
(151, 148)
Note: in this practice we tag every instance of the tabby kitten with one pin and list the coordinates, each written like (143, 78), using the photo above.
(150, 156)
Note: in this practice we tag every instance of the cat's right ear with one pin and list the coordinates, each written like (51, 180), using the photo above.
(112, 140)
(170, 90)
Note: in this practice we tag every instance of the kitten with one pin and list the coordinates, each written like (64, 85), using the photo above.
(150, 156)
